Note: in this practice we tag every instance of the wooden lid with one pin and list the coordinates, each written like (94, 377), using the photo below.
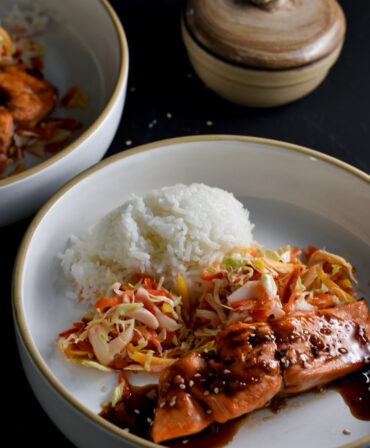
(270, 34)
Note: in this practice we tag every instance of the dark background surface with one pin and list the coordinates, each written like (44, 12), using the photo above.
(334, 119)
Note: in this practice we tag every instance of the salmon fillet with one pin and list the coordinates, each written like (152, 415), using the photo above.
(244, 377)
(255, 362)
(318, 347)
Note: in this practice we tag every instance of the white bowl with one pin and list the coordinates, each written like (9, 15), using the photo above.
(85, 46)
(295, 195)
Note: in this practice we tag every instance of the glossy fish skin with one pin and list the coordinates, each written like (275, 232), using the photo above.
(318, 347)
(247, 366)
(257, 361)
(6, 129)
(178, 412)
(244, 377)
(29, 99)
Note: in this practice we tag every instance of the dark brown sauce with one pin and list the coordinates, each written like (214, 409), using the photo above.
(355, 390)
(136, 413)
(215, 436)
(144, 399)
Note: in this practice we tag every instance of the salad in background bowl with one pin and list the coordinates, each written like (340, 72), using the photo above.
(85, 74)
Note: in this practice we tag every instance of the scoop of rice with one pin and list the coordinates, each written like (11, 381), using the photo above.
(175, 230)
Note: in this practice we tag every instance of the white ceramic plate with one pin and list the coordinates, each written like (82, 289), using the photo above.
(295, 196)
(75, 55)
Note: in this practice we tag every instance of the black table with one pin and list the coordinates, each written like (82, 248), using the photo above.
(334, 119)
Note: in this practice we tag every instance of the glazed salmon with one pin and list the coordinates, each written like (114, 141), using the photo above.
(178, 412)
(29, 99)
(6, 129)
(197, 391)
(255, 362)
(318, 347)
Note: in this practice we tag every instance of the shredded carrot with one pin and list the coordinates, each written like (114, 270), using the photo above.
(208, 278)
(107, 302)
(323, 301)
(293, 254)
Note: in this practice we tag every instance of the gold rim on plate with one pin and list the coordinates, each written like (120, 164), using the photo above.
(122, 75)
(19, 264)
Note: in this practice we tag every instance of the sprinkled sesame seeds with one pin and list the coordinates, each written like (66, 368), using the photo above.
(252, 327)
(205, 350)
(172, 403)
(128, 142)
(168, 115)
(162, 404)
(136, 411)
(209, 123)
(286, 362)
(197, 375)
(185, 441)
(209, 411)
(216, 390)
(191, 383)
(226, 371)
(182, 386)
(206, 392)
(342, 350)
(126, 429)
(346, 432)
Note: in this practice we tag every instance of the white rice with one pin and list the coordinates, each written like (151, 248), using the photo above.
(175, 230)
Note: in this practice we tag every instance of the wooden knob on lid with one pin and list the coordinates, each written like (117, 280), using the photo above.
(267, 34)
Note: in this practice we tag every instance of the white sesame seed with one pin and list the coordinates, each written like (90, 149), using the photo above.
(342, 350)
(206, 392)
(127, 429)
(191, 383)
(209, 411)
(182, 386)
(150, 125)
(226, 371)
(162, 404)
(205, 350)
(128, 142)
(209, 123)
(305, 332)
(172, 403)
(149, 420)
(198, 375)
(346, 431)
(253, 334)
(251, 327)
(137, 411)
(216, 390)
(169, 115)
(185, 441)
